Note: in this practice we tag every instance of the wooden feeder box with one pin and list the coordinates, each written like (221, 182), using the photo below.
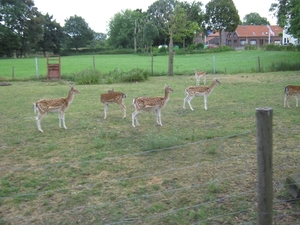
(53, 67)
(292, 185)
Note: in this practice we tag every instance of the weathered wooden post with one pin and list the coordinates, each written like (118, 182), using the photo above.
(264, 117)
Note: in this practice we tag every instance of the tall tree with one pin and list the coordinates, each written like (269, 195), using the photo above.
(78, 31)
(121, 28)
(195, 14)
(288, 15)
(255, 19)
(171, 19)
(150, 33)
(15, 17)
(159, 13)
(221, 15)
(52, 35)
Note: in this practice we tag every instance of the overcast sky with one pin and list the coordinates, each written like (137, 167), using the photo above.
(98, 13)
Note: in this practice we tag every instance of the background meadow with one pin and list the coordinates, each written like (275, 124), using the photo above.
(224, 63)
(198, 168)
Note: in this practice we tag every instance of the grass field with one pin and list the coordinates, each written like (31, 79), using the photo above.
(198, 168)
(226, 62)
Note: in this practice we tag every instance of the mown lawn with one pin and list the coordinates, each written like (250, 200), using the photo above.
(225, 62)
(198, 168)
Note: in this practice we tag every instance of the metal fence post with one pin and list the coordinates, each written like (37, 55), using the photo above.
(264, 118)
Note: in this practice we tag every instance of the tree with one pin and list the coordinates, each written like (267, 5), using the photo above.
(221, 15)
(159, 13)
(288, 15)
(78, 31)
(150, 33)
(171, 19)
(15, 17)
(255, 19)
(195, 14)
(121, 28)
(52, 35)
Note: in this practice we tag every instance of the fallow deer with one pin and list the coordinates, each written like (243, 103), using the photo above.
(59, 105)
(150, 104)
(289, 91)
(195, 91)
(198, 76)
(113, 97)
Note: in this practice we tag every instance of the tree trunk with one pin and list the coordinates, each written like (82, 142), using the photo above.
(171, 56)
(134, 36)
(220, 37)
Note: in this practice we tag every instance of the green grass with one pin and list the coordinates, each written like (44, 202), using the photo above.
(198, 168)
(225, 62)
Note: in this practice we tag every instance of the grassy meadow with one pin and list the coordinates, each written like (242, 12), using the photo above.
(225, 63)
(198, 168)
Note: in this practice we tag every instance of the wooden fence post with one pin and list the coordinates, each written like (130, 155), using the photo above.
(264, 118)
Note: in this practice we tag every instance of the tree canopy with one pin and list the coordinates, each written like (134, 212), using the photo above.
(78, 31)
(287, 13)
(221, 15)
(255, 19)
(121, 28)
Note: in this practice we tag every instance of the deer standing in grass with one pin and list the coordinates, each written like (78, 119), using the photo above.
(150, 104)
(113, 97)
(59, 105)
(195, 91)
(198, 76)
(289, 91)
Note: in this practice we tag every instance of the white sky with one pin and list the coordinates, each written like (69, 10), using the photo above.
(98, 13)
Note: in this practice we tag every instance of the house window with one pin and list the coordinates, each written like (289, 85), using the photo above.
(234, 35)
(243, 41)
(253, 42)
(229, 42)
(235, 41)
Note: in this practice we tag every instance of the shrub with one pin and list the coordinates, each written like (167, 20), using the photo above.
(88, 76)
(163, 50)
(200, 46)
(284, 66)
(135, 75)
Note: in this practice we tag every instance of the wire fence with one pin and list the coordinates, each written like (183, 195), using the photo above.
(206, 182)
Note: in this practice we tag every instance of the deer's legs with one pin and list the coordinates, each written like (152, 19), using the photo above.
(205, 102)
(135, 118)
(124, 110)
(62, 116)
(158, 117)
(38, 121)
(105, 110)
(188, 99)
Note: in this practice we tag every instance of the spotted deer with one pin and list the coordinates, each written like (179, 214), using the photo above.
(195, 91)
(113, 97)
(289, 91)
(198, 76)
(60, 105)
(150, 104)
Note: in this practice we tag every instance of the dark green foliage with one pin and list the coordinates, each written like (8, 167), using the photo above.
(251, 47)
(255, 19)
(89, 76)
(285, 66)
(135, 75)
(273, 47)
(163, 50)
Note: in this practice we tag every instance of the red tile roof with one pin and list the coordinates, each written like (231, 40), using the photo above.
(256, 30)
